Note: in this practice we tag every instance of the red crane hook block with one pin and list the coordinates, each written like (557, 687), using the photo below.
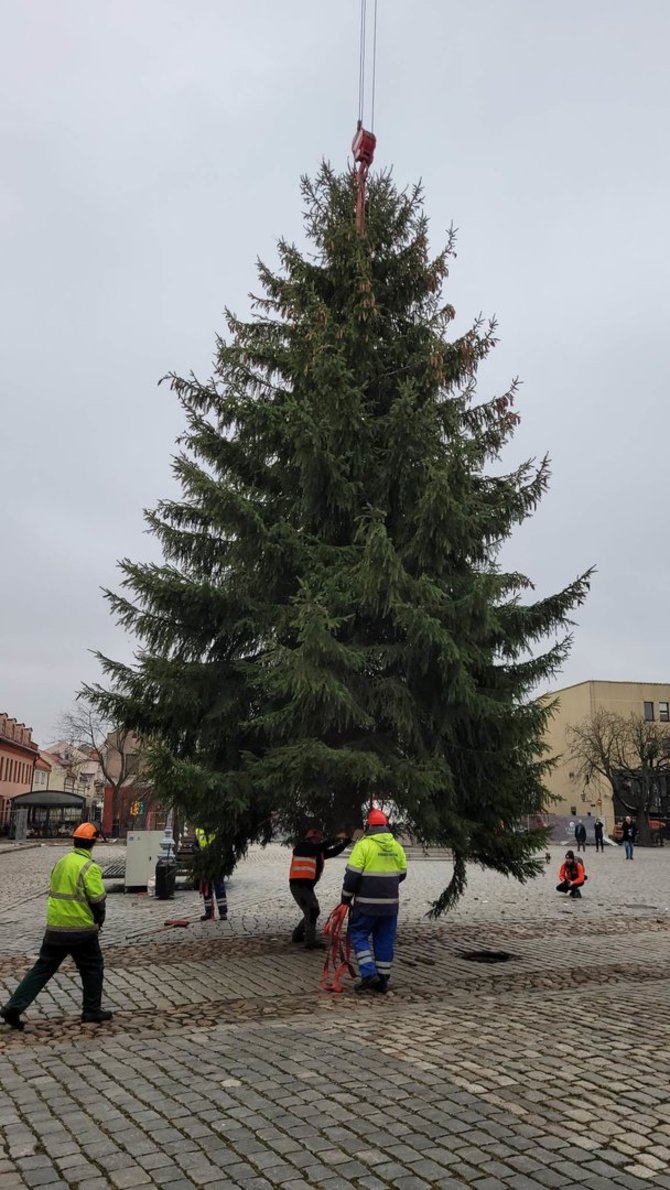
(363, 146)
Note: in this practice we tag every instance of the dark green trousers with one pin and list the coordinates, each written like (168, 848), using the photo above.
(305, 897)
(87, 957)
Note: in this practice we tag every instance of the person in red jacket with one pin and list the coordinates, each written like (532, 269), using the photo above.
(571, 875)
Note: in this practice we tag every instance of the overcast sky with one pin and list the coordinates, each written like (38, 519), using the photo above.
(151, 149)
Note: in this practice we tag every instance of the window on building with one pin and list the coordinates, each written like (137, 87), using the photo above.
(2, 766)
(649, 711)
(664, 712)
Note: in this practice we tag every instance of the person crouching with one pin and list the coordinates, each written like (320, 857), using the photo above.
(571, 876)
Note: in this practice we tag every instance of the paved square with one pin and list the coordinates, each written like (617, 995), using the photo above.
(226, 1066)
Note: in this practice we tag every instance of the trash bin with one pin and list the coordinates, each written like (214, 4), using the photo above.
(166, 878)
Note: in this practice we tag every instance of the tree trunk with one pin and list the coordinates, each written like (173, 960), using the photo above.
(642, 818)
(643, 829)
(116, 797)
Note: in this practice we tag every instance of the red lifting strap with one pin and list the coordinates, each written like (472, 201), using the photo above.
(338, 955)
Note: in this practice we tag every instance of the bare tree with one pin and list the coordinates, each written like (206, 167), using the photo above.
(632, 754)
(116, 749)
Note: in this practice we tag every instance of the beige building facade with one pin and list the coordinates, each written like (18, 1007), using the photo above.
(71, 770)
(574, 704)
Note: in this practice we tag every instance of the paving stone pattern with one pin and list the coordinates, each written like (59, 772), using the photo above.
(226, 1066)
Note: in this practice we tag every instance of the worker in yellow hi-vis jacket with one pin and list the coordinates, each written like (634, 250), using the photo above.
(376, 868)
(75, 916)
(213, 886)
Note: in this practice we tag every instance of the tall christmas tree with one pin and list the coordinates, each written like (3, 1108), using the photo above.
(331, 624)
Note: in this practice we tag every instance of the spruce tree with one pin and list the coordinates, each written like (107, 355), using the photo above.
(331, 623)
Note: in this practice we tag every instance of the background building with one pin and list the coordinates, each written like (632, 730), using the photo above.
(575, 798)
(18, 756)
(73, 770)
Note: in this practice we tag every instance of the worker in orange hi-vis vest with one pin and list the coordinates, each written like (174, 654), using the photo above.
(307, 860)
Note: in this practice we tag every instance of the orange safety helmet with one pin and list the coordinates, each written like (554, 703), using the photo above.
(377, 818)
(85, 830)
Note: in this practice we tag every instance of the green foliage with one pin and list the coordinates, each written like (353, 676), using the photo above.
(331, 623)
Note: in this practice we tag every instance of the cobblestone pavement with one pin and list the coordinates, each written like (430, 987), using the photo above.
(226, 1066)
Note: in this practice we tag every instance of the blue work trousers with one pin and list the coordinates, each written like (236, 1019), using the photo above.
(211, 889)
(372, 940)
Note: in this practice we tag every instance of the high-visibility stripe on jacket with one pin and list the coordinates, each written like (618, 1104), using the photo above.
(75, 886)
(376, 867)
(308, 859)
(303, 867)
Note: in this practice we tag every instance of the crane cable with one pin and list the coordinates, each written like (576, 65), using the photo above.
(362, 57)
(361, 62)
(374, 68)
(365, 141)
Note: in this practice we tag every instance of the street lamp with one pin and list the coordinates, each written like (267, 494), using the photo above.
(166, 865)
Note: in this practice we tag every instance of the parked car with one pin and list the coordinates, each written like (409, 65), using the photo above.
(659, 827)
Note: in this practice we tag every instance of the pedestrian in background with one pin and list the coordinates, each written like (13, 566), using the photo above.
(75, 916)
(629, 835)
(580, 836)
(599, 833)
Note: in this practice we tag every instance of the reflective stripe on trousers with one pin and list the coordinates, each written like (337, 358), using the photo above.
(365, 928)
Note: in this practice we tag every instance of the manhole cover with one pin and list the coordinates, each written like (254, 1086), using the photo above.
(487, 956)
(115, 870)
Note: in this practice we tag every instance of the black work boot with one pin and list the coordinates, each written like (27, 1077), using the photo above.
(12, 1017)
(207, 916)
(97, 1017)
(382, 984)
(576, 893)
(367, 983)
